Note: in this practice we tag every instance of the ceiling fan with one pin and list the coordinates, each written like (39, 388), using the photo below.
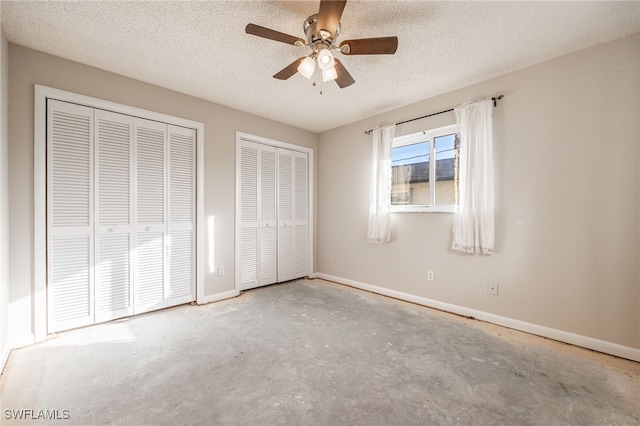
(322, 30)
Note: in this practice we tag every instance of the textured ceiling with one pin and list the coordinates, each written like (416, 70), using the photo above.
(201, 49)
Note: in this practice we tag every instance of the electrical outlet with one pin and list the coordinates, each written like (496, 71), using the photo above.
(220, 271)
(492, 288)
(430, 276)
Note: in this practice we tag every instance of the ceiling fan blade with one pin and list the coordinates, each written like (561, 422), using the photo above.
(329, 15)
(263, 32)
(289, 70)
(344, 78)
(370, 46)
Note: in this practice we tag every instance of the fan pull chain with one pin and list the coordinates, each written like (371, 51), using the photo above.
(314, 85)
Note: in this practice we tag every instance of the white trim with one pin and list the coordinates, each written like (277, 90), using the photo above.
(41, 94)
(63, 95)
(4, 357)
(200, 228)
(539, 330)
(424, 136)
(418, 137)
(39, 214)
(418, 208)
(278, 144)
(22, 341)
(218, 296)
(272, 142)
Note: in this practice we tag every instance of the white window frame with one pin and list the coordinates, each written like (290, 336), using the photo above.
(425, 136)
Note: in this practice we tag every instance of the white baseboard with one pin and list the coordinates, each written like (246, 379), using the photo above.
(218, 296)
(22, 341)
(4, 357)
(551, 333)
(15, 343)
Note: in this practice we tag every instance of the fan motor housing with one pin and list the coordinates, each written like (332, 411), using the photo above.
(312, 32)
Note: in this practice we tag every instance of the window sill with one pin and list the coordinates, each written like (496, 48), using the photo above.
(423, 209)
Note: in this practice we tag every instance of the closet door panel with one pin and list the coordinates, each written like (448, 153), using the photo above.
(285, 215)
(113, 277)
(268, 215)
(114, 206)
(149, 215)
(301, 219)
(70, 293)
(150, 138)
(181, 267)
(182, 187)
(247, 155)
(149, 273)
(70, 290)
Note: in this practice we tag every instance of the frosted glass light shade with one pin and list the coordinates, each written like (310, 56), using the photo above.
(306, 67)
(325, 59)
(329, 75)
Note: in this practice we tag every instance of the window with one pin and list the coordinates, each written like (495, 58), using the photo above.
(412, 174)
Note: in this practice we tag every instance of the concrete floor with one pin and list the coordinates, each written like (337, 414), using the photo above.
(312, 352)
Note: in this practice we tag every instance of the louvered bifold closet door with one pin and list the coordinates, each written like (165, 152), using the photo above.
(268, 215)
(149, 215)
(114, 211)
(182, 191)
(70, 291)
(285, 215)
(247, 155)
(301, 216)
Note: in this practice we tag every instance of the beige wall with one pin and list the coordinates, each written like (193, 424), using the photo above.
(4, 199)
(565, 259)
(28, 67)
(567, 215)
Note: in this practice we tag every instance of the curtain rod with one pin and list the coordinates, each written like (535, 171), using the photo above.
(494, 99)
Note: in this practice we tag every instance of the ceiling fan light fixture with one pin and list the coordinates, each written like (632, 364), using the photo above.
(325, 59)
(321, 30)
(329, 74)
(306, 67)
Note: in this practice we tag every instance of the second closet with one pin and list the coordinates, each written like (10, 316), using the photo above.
(273, 214)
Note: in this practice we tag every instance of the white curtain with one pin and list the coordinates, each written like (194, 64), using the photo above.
(473, 223)
(380, 197)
